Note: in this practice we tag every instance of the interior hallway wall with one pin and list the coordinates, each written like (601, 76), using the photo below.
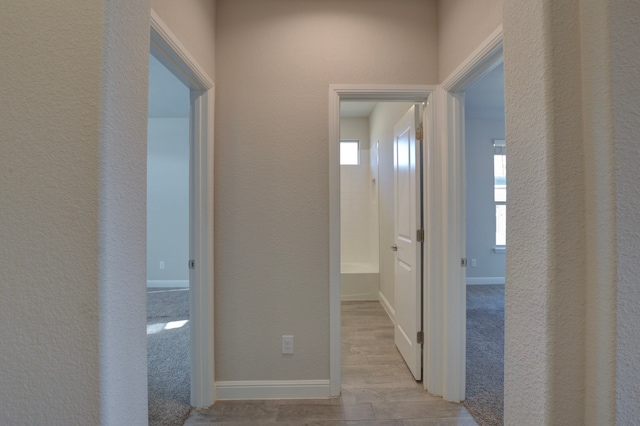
(572, 336)
(462, 25)
(276, 61)
(72, 234)
(193, 23)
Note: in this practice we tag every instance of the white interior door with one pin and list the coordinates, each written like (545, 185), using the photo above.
(407, 221)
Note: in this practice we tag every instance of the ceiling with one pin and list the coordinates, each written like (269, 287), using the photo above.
(356, 109)
(168, 96)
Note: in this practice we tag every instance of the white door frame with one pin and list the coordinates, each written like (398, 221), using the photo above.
(171, 53)
(337, 93)
(450, 362)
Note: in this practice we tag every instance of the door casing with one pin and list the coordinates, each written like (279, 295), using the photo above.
(450, 361)
(338, 93)
(171, 53)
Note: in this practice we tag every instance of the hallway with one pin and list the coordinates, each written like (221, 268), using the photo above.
(377, 387)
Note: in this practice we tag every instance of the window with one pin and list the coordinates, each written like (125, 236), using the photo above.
(500, 190)
(349, 153)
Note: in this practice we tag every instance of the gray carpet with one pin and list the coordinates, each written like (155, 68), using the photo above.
(168, 357)
(485, 353)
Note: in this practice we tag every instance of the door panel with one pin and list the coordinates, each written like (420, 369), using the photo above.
(407, 221)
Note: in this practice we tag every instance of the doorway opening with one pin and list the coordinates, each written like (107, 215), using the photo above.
(168, 176)
(380, 165)
(486, 199)
(168, 51)
(366, 284)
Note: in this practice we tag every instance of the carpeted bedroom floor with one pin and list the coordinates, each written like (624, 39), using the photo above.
(485, 353)
(168, 356)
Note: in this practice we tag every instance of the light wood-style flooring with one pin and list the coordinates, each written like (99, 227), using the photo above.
(377, 387)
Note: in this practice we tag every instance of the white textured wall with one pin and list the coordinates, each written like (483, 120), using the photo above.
(625, 107)
(73, 120)
(123, 153)
(572, 330)
(382, 120)
(49, 183)
(545, 221)
(480, 205)
(276, 60)
(358, 200)
(462, 25)
(192, 22)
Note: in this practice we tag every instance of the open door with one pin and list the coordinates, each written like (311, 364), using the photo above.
(408, 240)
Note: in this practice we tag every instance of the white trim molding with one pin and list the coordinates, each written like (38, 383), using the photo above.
(168, 283)
(446, 283)
(273, 389)
(485, 280)
(166, 47)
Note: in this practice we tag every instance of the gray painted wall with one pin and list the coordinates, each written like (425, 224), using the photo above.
(167, 179)
(481, 226)
(484, 122)
(168, 199)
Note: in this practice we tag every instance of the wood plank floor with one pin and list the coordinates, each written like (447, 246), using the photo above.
(377, 387)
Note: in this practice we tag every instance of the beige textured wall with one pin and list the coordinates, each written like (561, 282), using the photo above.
(572, 352)
(48, 233)
(71, 216)
(276, 60)
(192, 21)
(462, 26)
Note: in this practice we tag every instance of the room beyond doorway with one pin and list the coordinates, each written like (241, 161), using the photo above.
(168, 217)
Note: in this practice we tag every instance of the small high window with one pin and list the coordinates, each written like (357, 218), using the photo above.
(349, 153)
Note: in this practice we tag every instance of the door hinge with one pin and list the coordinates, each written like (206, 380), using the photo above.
(420, 337)
(419, 133)
(463, 262)
(420, 236)
(192, 264)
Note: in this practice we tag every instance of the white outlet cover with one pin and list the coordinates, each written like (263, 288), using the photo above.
(287, 345)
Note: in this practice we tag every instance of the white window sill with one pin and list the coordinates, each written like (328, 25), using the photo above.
(500, 249)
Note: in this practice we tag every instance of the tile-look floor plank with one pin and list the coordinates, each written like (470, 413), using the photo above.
(377, 387)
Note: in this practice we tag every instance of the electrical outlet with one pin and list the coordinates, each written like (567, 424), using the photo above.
(287, 345)
(474, 262)
(162, 264)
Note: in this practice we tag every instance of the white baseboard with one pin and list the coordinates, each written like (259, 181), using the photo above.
(358, 297)
(484, 280)
(168, 283)
(273, 389)
(387, 307)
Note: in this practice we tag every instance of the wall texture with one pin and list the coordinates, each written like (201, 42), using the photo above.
(122, 255)
(192, 22)
(625, 106)
(462, 25)
(72, 213)
(276, 60)
(572, 332)
(49, 213)
(382, 120)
